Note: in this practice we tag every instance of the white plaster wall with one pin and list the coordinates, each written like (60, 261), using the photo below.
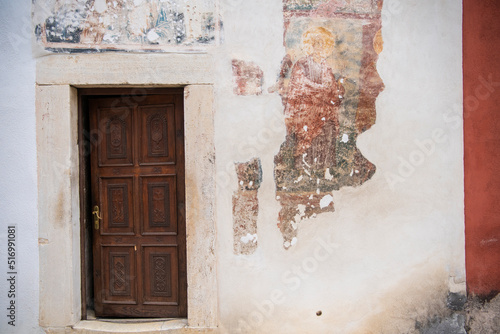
(394, 247)
(385, 258)
(18, 182)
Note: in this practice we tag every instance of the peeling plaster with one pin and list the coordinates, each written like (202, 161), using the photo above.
(483, 316)
(397, 304)
(328, 83)
(246, 206)
(248, 78)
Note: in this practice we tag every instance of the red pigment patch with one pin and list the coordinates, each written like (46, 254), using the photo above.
(248, 78)
(313, 99)
(371, 84)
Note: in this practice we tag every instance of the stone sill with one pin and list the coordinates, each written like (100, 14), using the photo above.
(96, 326)
(174, 326)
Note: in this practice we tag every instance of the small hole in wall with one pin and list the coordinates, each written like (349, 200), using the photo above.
(319, 313)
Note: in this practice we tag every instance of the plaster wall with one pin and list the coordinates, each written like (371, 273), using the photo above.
(18, 205)
(388, 256)
(384, 261)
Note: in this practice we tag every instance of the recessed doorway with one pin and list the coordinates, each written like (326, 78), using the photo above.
(133, 202)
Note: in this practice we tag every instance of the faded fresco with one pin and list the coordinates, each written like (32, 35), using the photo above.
(328, 84)
(246, 206)
(142, 25)
(248, 78)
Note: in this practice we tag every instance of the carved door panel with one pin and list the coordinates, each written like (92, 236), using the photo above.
(137, 181)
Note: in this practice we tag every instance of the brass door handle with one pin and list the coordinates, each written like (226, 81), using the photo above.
(97, 217)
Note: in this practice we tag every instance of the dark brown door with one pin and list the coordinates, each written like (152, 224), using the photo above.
(137, 181)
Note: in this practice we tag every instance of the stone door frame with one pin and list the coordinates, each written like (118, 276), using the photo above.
(58, 79)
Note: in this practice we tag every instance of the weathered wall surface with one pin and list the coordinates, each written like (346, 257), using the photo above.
(328, 83)
(126, 25)
(382, 255)
(18, 185)
(388, 255)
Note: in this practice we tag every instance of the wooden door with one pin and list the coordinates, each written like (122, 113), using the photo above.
(137, 181)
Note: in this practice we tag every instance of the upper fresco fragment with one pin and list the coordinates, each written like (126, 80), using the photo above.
(335, 6)
(129, 25)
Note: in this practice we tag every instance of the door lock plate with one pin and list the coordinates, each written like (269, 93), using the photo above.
(97, 217)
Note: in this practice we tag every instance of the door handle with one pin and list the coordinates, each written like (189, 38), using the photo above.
(97, 217)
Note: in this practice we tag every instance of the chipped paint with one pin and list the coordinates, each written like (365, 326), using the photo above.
(248, 78)
(328, 83)
(326, 201)
(246, 206)
(483, 316)
(43, 241)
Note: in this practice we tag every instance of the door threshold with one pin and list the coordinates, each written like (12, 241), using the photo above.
(133, 320)
(100, 326)
(91, 317)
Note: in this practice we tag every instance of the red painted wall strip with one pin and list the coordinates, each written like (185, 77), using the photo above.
(481, 52)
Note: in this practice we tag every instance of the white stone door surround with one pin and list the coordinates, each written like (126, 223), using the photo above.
(57, 83)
